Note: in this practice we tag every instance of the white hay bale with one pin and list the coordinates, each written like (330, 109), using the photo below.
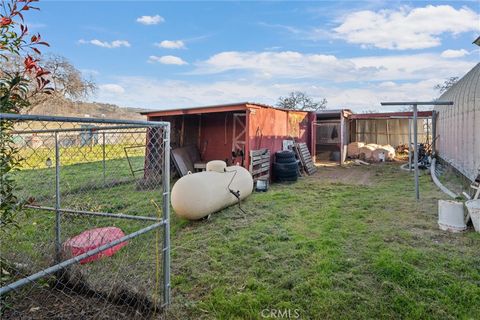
(380, 155)
(365, 152)
(391, 151)
(352, 149)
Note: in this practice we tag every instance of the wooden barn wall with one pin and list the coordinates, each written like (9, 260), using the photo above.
(216, 136)
(458, 126)
(269, 127)
(212, 133)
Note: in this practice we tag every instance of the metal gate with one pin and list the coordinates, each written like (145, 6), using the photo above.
(73, 180)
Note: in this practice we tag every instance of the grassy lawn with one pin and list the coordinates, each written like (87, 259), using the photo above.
(346, 243)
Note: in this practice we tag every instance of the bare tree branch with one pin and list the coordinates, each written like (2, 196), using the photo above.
(298, 100)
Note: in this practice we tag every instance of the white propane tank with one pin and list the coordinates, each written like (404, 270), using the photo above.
(450, 216)
(197, 195)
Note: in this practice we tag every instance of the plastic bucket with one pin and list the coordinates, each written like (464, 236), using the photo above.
(473, 207)
(450, 216)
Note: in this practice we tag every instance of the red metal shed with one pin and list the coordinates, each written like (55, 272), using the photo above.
(230, 131)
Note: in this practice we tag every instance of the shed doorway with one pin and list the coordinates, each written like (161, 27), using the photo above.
(328, 141)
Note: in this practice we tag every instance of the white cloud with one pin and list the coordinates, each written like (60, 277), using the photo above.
(153, 93)
(359, 83)
(454, 53)
(106, 44)
(296, 65)
(167, 60)
(111, 88)
(406, 28)
(150, 20)
(171, 44)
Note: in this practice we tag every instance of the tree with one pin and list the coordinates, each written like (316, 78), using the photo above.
(298, 100)
(447, 84)
(16, 90)
(67, 80)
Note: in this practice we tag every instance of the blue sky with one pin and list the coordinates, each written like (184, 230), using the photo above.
(160, 55)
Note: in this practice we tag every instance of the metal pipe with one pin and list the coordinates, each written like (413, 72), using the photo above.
(51, 270)
(434, 133)
(93, 213)
(103, 154)
(438, 183)
(31, 117)
(415, 150)
(409, 144)
(418, 103)
(58, 239)
(166, 214)
(83, 129)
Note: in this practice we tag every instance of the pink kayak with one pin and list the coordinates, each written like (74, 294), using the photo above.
(92, 239)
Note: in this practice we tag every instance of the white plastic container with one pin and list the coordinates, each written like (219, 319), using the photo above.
(473, 207)
(451, 216)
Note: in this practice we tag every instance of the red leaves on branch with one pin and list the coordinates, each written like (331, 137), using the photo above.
(30, 63)
(17, 41)
(5, 21)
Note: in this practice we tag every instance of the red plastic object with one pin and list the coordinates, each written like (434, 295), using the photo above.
(92, 239)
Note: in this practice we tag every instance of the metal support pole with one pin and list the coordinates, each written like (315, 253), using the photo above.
(93, 213)
(166, 214)
(58, 240)
(434, 133)
(410, 144)
(415, 151)
(103, 153)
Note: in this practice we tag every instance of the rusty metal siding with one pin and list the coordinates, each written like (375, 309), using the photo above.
(458, 126)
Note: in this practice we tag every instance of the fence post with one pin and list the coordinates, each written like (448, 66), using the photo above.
(57, 202)
(409, 144)
(103, 154)
(166, 214)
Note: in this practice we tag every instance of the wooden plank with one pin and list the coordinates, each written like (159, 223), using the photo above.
(260, 164)
(265, 169)
(258, 158)
(254, 153)
(257, 162)
(305, 157)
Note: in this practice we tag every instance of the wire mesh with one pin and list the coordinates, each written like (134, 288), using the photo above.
(86, 185)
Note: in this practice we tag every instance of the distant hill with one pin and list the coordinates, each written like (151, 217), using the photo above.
(68, 108)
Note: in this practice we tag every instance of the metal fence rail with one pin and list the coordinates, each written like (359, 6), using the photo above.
(74, 254)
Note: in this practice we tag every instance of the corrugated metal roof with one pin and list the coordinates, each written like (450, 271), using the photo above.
(458, 126)
(216, 106)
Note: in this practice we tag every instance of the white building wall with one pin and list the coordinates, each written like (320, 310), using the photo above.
(458, 126)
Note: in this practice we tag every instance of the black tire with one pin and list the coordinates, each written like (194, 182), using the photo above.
(287, 179)
(285, 167)
(290, 175)
(285, 160)
(284, 155)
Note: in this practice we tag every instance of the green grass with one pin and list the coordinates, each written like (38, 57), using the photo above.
(329, 248)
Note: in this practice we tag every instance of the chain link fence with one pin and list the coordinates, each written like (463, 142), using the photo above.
(92, 240)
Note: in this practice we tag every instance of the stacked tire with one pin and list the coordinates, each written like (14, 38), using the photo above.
(285, 167)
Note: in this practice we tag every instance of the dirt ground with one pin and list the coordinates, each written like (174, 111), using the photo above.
(54, 304)
(342, 174)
